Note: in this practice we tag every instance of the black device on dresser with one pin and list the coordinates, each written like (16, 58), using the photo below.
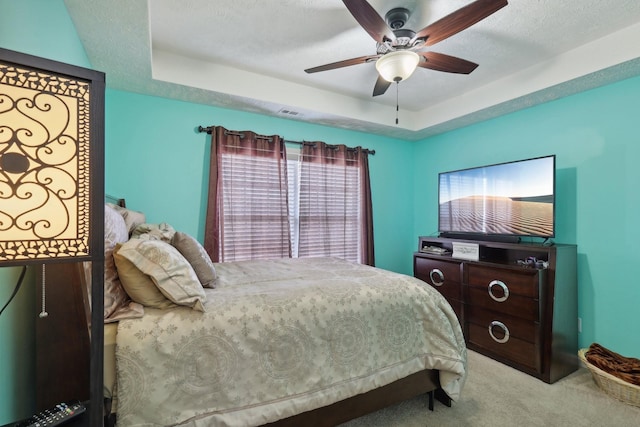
(517, 303)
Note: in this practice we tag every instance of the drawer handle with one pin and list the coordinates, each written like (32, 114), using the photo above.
(440, 280)
(505, 291)
(504, 329)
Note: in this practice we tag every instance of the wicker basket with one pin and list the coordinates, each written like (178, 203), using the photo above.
(613, 386)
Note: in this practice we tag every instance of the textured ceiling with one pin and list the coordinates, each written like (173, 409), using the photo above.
(250, 55)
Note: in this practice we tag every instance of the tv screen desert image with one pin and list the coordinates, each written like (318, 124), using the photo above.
(508, 199)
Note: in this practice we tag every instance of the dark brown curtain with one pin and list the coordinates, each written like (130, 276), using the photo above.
(366, 237)
(247, 210)
(336, 216)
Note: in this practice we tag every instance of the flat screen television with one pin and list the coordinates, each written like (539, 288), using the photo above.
(505, 201)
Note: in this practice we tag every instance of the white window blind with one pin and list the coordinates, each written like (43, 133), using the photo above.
(329, 211)
(255, 213)
(322, 209)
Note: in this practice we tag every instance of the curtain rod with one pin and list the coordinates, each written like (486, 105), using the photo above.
(208, 130)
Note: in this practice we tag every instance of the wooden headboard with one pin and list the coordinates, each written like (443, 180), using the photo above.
(115, 200)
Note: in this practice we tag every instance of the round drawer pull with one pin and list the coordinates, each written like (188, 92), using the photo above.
(504, 329)
(505, 291)
(439, 281)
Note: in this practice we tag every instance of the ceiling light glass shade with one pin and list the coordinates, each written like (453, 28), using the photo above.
(397, 66)
(44, 166)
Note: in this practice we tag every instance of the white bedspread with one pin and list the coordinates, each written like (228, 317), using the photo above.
(281, 337)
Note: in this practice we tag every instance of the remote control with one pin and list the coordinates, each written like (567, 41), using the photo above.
(57, 415)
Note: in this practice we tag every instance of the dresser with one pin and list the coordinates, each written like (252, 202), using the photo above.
(512, 309)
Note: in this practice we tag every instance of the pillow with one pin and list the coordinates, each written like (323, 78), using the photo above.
(196, 255)
(138, 285)
(131, 218)
(162, 231)
(168, 269)
(117, 304)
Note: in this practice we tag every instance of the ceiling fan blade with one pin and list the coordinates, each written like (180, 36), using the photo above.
(370, 20)
(459, 20)
(340, 64)
(381, 86)
(449, 64)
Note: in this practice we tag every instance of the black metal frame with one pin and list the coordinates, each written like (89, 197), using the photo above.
(209, 129)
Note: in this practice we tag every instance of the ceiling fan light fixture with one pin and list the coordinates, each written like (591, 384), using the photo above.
(397, 66)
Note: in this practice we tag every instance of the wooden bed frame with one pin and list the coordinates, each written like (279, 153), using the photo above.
(414, 385)
(68, 305)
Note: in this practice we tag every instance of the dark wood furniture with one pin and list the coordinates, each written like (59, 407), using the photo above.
(516, 313)
(354, 407)
(63, 337)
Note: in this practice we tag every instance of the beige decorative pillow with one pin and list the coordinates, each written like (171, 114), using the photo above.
(138, 285)
(162, 231)
(169, 270)
(197, 256)
(117, 304)
(131, 218)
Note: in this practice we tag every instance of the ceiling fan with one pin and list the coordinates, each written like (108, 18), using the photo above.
(400, 50)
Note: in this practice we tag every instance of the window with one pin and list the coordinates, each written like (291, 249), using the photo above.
(293, 180)
(247, 202)
(253, 208)
(324, 208)
(315, 202)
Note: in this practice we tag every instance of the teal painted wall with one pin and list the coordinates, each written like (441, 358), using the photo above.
(594, 135)
(42, 28)
(159, 163)
(17, 346)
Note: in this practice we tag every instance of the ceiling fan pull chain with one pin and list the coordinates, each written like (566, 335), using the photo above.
(397, 108)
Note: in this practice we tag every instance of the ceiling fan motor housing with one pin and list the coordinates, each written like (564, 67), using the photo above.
(402, 41)
(396, 18)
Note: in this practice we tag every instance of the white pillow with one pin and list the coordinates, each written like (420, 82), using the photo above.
(131, 218)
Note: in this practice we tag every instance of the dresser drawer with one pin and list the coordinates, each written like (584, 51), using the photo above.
(515, 350)
(522, 329)
(522, 282)
(508, 337)
(514, 305)
(445, 276)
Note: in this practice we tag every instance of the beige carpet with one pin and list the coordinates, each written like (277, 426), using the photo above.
(496, 395)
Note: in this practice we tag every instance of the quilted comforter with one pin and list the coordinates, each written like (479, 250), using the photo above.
(281, 337)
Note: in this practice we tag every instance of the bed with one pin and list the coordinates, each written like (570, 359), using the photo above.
(287, 342)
